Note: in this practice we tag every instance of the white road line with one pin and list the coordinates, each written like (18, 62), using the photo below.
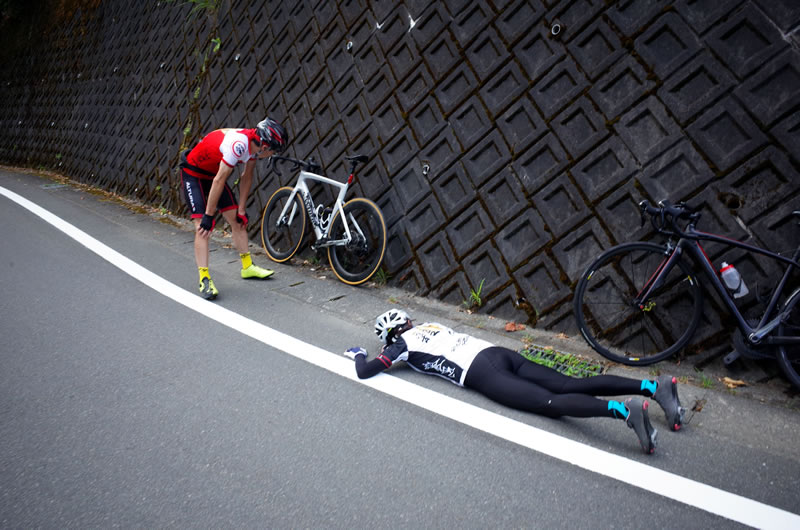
(687, 491)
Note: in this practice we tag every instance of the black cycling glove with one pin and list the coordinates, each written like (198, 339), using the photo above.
(207, 223)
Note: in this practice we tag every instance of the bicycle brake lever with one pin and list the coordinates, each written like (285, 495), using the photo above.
(274, 166)
(312, 165)
(643, 210)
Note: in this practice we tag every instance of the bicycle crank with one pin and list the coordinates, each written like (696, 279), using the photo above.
(750, 350)
(322, 243)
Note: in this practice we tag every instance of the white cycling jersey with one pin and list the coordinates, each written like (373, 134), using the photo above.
(435, 349)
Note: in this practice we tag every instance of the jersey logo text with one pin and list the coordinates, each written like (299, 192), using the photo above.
(438, 366)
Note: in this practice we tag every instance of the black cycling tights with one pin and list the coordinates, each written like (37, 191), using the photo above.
(510, 379)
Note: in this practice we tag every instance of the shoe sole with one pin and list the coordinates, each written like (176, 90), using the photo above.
(652, 434)
(649, 427)
(673, 390)
(258, 277)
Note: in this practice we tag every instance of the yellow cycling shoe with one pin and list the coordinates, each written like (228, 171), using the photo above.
(207, 289)
(254, 271)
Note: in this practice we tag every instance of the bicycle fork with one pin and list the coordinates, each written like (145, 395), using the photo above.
(656, 280)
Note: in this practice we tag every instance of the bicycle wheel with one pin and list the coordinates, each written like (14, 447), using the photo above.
(617, 327)
(789, 354)
(357, 261)
(281, 236)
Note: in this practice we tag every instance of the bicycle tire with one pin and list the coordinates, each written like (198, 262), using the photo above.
(788, 356)
(617, 328)
(358, 261)
(281, 242)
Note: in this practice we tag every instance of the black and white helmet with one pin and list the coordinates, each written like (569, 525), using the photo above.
(390, 324)
(273, 134)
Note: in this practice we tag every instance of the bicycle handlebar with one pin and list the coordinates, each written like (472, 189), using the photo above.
(664, 218)
(310, 165)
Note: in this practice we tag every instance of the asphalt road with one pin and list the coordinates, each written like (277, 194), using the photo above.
(121, 407)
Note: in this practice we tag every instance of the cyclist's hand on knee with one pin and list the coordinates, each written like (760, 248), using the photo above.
(206, 225)
(352, 352)
(241, 218)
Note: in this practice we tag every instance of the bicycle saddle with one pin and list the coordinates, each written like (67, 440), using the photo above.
(358, 158)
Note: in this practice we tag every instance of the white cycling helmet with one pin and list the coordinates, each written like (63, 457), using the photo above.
(389, 325)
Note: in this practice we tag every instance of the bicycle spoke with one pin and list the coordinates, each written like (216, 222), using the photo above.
(627, 331)
(356, 261)
(281, 235)
(789, 354)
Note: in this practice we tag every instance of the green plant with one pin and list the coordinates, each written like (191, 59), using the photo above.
(564, 363)
(475, 296)
(705, 381)
(201, 6)
(381, 277)
(205, 55)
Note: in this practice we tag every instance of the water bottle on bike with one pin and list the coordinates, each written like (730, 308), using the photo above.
(733, 280)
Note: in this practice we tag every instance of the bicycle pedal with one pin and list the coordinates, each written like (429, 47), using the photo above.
(731, 357)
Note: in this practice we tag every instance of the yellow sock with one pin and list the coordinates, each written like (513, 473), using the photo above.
(203, 273)
(246, 260)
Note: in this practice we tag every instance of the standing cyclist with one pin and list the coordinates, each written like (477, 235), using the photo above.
(204, 174)
(509, 379)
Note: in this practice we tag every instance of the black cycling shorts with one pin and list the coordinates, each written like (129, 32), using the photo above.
(196, 190)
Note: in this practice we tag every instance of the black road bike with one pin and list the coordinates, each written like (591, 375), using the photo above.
(639, 303)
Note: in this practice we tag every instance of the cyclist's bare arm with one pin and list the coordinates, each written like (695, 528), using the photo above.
(245, 183)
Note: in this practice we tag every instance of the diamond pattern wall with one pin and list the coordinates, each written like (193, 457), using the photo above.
(499, 152)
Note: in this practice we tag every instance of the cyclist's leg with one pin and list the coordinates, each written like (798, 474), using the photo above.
(663, 389)
(491, 376)
(599, 385)
(241, 241)
(195, 191)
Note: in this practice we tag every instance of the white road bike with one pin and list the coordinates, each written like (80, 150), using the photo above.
(353, 232)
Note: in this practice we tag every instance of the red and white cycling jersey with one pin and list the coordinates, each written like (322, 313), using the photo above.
(230, 146)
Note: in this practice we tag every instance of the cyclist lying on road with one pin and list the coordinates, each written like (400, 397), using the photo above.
(204, 173)
(508, 378)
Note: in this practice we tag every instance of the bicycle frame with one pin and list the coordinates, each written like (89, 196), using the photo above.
(317, 223)
(691, 245)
